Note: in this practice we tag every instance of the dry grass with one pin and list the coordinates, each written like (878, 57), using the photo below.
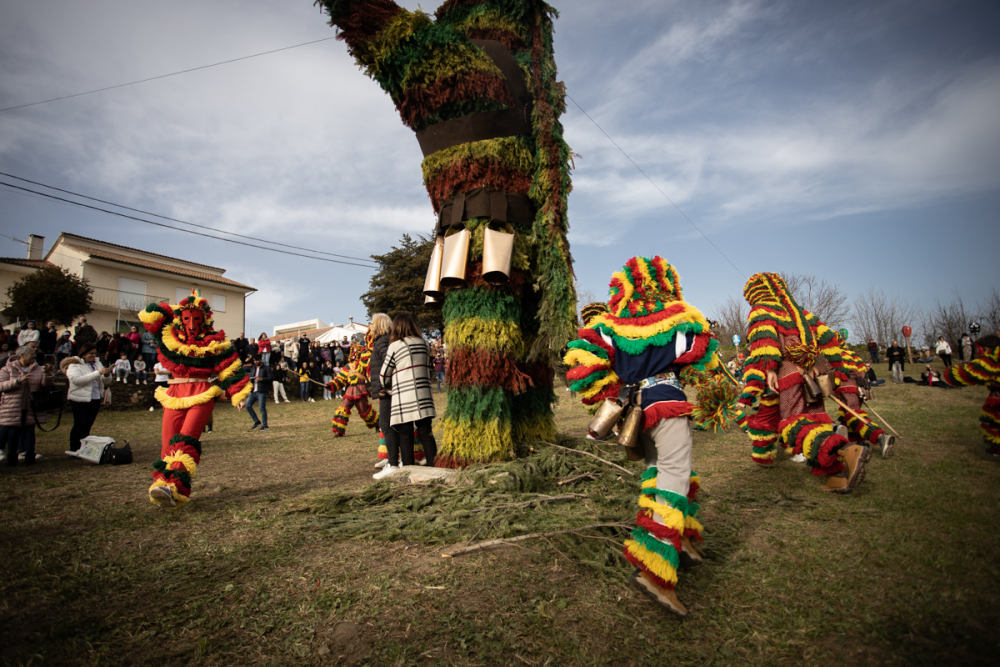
(904, 571)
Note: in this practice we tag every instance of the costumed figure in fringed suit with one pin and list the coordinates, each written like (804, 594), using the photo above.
(383, 451)
(353, 379)
(851, 393)
(787, 342)
(477, 84)
(203, 365)
(983, 370)
(644, 348)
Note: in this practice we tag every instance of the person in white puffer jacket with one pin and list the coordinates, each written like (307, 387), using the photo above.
(86, 377)
(943, 350)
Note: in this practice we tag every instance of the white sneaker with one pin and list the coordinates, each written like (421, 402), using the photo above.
(137, 383)
(20, 456)
(151, 409)
(161, 496)
(799, 458)
(422, 462)
(312, 400)
(381, 463)
(3, 457)
(286, 401)
(38, 456)
(385, 472)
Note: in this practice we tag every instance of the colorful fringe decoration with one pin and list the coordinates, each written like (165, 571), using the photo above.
(656, 545)
(716, 408)
(815, 437)
(176, 467)
(762, 429)
(369, 416)
(418, 447)
(339, 422)
(858, 430)
(501, 339)
(983, 370)
(774, 311)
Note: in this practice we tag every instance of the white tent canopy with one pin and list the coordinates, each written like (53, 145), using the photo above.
(337, 333)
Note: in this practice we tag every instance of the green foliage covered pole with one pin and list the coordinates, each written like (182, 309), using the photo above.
(476, 82)
(49, 294)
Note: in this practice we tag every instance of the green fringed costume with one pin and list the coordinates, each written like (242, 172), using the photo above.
(477, 84)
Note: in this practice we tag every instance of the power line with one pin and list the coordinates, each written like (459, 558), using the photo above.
(183, 222)
(164, 76)
(178, 229)
(697, 229)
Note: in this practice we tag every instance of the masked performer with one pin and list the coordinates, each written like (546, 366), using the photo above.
(788, 343)
(353, 378)
(851, 392)
(983, 370)
(649, 339)
(477, 84)
(196, 356)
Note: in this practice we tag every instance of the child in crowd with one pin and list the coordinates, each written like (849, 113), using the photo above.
(122, 368)
(139, 366)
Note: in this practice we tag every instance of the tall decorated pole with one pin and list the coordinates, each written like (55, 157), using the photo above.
(907, 332)
(477, 84)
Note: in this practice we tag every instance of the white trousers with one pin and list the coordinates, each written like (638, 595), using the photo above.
(279, 388)
(668, 446)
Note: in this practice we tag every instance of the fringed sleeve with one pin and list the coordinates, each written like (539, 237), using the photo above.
(347, 377)
(983, 370)
(592, 362)
(765, 353)
(829, 347)
(155, 315)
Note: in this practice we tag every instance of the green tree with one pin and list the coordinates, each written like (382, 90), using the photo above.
(398, 284)
(49, 294)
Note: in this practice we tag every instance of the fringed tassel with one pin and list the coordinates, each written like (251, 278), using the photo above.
(814, 437)
(341, 417)
(369, 417)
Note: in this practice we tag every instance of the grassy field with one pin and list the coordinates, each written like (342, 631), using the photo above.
(904, 571)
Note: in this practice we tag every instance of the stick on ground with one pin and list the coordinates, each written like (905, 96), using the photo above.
(593, 456)
(496, 544)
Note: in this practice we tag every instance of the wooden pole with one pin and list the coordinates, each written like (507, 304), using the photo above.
(841, 404)
(909, 350)
(882, 419)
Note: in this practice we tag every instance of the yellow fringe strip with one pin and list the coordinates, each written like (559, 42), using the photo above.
(754, 373)
(690, 314)
(174, 345)
(691, 523)
(241, 394)
(535, 429)
(766, 350)
(649, 483)
(233, 367)
(653, 562)
(672, 518)
(770, 400)
(147, 317)
(184, 460)
(599, 386)
(490, 335)
(481, 441)
(168, 401)
(578, 357)
(180, 499)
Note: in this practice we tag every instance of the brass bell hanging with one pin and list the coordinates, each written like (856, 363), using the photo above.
(432, 283)
(605, 418)
(432, 301)
(455, 257)
(628, 434)
(498, 250)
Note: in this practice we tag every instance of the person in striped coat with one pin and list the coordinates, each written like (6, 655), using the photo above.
(406, 375)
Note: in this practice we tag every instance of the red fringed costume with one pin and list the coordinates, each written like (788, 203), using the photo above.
(983, 370)
(354, 378)
(203, 365)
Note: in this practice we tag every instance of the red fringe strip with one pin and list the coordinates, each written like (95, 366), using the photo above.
(789, 381)
(656, 580)
(421, 101)
(471, 368)
(365, 21)
(665, 410)
(454, 462)
(697, 350)
(659, 530)
(464, 175)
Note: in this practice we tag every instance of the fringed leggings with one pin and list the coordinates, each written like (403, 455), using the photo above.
(989, 419)
(762, 428)
(857, 430)
(667, 511)
(342, 415)
(180, 453)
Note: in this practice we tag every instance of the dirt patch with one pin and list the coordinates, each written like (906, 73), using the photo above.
(346, 643)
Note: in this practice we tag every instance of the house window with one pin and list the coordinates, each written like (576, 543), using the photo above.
(218, 303)
(182, 293)
(131, 294)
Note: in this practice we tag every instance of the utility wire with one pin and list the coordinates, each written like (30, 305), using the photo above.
(183, 222)
(178, 229)
(697, 229)
(164, 76)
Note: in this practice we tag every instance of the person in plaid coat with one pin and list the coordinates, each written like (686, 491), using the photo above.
(406, 375)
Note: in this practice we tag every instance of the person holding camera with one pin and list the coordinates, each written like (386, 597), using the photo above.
(86, 377)
(18, 378)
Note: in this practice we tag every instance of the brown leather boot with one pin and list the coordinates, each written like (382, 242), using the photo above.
(836, 483)
(665, 597)
(855, 457)
(689, 555)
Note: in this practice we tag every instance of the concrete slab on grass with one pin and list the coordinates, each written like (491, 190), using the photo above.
(423, 474)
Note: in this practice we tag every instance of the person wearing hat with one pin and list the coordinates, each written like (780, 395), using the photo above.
(638, 350)
(204, 365)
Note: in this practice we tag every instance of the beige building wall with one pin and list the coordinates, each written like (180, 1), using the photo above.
(122, 290)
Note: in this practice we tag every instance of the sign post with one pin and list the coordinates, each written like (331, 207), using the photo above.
(907, 331)
(736, 342)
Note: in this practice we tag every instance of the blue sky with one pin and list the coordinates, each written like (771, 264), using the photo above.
(856, 141)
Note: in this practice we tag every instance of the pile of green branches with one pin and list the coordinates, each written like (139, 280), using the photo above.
(497, 501)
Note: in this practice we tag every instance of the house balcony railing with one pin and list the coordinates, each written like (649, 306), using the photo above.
(112, 299)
